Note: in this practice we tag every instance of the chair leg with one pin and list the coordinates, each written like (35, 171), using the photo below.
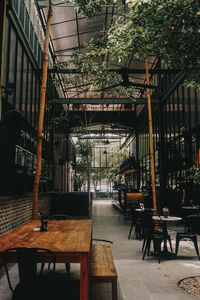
(130, 230)
(42, 268)
(67, 265)
(138, 231)
(196, 246)
(147, 247)
(177, 245)
(170, 243)
(144, 242)
(158, 250)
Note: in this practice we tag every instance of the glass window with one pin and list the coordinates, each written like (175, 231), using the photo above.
(6, 52)
(12, 57)
(29, 94)
(33, 99)
(18, 85)
(25, 86)
(103, 157)
(187, 107)
(193, 107)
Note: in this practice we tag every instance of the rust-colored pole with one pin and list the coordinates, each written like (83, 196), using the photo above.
(41, 112)
(151, 139)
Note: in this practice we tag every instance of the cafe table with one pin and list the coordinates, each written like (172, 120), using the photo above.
(144, 209)
(165, 220)
(190, 210)
(70, 240)
(190, 207)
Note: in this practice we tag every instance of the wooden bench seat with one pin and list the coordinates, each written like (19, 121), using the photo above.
(102, 267)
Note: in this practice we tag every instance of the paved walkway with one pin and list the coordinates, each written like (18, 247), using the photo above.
(138, 279)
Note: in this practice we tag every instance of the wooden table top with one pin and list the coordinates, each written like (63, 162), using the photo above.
(63, 236)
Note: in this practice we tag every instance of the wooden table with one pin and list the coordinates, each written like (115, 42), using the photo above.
(69, 239)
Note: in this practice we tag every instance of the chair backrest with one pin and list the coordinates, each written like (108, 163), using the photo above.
(192, 224)
(27, 259)
(101, 241)
(60, 217)
(147, 222)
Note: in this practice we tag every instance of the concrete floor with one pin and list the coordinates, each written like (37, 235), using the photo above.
(137, 279)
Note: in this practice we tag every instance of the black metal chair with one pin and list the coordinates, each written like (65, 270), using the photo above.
(191, 228)
(137, 221)
(157, 236)
(101, 241)
(59, 217)
(31, 283)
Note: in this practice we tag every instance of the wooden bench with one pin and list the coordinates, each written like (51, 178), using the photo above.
(102, 267)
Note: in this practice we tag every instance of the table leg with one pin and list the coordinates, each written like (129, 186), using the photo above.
(84, 277)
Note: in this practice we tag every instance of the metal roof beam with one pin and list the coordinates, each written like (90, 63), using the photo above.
(96, 101)
(99, 137)
(130, 71)
(67, 50)
(75, 34)
(106, 131)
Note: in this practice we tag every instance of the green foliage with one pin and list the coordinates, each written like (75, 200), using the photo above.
(83, 161)
(78, 181)
(90, 7)
(115, 160)
(193, 175)
(168, 29)
(84, 149)
(95, 176)
(96, 75)
(65, 122)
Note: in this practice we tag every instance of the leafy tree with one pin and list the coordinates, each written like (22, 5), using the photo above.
(118, 155)
(90, 7)
(95, 177)
(78, 181)
(83, 163)
(168, 29)
(64, 122)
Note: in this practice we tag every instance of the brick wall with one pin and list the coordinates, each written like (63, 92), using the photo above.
(15, 211)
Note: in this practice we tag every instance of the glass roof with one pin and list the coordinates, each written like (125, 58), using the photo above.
(69, 32)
